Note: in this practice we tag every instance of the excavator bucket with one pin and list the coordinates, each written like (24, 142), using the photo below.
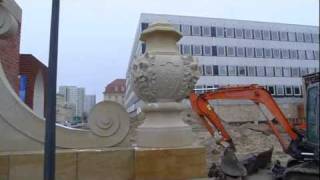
(257, 161)
(230, 165)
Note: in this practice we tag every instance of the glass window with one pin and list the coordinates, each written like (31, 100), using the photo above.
(223, 71)
(186, 30)
(251, 71)
(276, 53)
(283, 36)
(196, 31)
(215, 70)
(280, 90)
(278, 71)
(214, 51)
(300, 37)
(307, 37)
(259, 52)
(295, 72)
(208, 70)
(220, 31)
(257, 34)
(186, 49)
(288, 91)
(201, 70)
(239, 33)
(207, 50)
(221, 51)
(206, 31)
(286, 72)
(285, 53)
(275, 35)
(267, 53)
(260, 71)
(143, 48)
(315, 38)
(197, 50)
(242, 71)
(144, 26)
(303, 71)
(269, 71)
(240, 51)
(248, 34)
(266, 35)
(231, 51)
(293, 54)
(297, 90)
(249, 52)
(229, 32)
(309, 54)
(302, 54)
(292, 36)
(232, 70)
(316, 55)
(271, 90)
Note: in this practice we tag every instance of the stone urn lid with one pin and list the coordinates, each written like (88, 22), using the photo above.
(160, 27)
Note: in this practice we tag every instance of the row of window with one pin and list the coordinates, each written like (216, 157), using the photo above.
(239, 33)
(221, 70)
(203, 50)
(275, 90)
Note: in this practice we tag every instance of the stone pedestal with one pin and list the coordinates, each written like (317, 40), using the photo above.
(170, 163)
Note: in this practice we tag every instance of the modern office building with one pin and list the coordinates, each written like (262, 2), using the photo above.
(89, 103)
(75, 96)
(239, 52)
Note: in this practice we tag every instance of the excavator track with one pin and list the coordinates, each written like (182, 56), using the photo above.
(304, 171)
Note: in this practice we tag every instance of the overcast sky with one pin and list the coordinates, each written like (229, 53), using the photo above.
(96, 36)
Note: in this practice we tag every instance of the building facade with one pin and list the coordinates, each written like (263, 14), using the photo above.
(64, 111)
(89, 103)
(238, 52)
(115, 91)
(75, 96)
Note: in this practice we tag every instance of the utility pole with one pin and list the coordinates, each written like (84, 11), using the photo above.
(50, 131)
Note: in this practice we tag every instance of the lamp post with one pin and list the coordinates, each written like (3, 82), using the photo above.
(50, 131)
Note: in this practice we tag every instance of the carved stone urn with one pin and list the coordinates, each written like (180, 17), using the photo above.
(162, 78)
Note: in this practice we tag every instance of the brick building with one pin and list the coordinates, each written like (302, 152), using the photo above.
(115, 91)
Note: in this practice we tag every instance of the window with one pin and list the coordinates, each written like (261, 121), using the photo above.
(186, 49)
(303, 71)
(286, 72)
(239, 33)
(215, 70)
(207, 50)
(201, 70)
(302, 54)
(293, 54)
(311, 70)
(257, 34)
(248, 34)
(292, 36)
(283, 36)
(266, 35)
(276, 53)
(197, 50)
(309, 54)
(206, 31)
(271, 90)
(231, 51)
(297, 90)
(220, 31)
(232, 70)
(259, 52)
(249, 52)
(307, 37)
(288, 91)
(240, 51)
(315, 38)
(208, 70)
(144, 26)
(251, 71)
(143, 48)
(229, 32)
(295, 72)
(242, 71)
(269, 71)
(214, 31)
(278, 71)
(186, 30)
(260, 71)
(214, 50)
(300, 37)
(285, 53)
(221, 51)
(223, 71)
(196, 31)
(280, 90)
(267, 53)
(316, 55)
(275, 35)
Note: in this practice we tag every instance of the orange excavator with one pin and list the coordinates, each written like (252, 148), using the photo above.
(304, 153)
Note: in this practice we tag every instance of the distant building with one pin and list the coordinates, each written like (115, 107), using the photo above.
(89, 102)
(64, 111)
(75, 96)
(33, 83)
(115, 91)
